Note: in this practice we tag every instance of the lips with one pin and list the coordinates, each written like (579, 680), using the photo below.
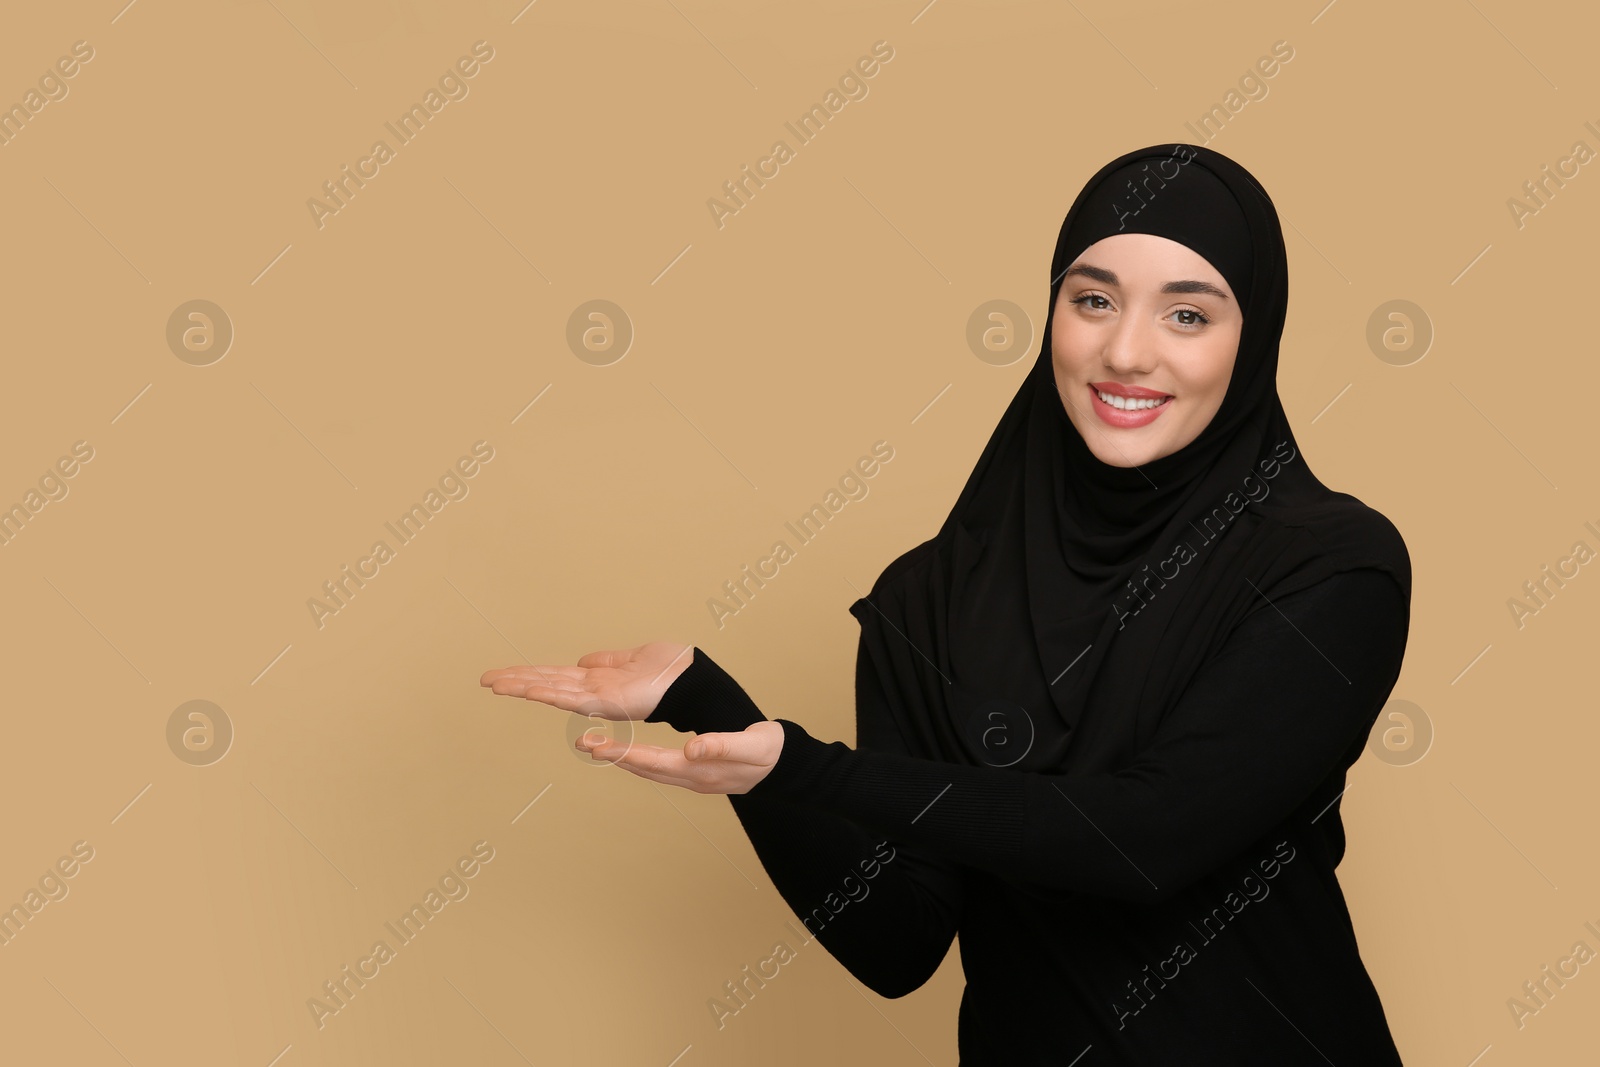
(1122, 418)
(1132, 392)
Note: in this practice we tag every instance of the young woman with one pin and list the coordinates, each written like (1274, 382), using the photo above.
(1104, 716)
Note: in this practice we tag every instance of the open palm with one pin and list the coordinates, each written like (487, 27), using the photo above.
(612, 684)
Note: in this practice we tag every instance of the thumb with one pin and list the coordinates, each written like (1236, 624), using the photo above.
(609, 657)
(738, 746)
(710, 746)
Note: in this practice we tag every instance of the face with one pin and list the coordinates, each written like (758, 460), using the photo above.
(1141, 317)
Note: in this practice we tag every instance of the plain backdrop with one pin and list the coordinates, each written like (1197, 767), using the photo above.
(743, 362)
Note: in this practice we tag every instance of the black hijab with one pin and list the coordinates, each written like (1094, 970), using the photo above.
(1065, 603)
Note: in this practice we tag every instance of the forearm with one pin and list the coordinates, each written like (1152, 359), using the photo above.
(1023, 828)
(884, 912)
(1263, 725)
(877, 908)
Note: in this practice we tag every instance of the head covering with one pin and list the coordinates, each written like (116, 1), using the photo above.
(1065, 603)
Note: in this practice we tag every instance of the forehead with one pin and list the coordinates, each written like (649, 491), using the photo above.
(1146, 257)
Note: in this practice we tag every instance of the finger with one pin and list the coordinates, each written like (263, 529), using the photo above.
(519, 686)
(601, 745)
(650, 759)
(545, 671)
(535, 691)
(658, 764)
(667, 779)
(669, 767)
(579, 701)
(738, 747)
(503, 681)
(611, 657)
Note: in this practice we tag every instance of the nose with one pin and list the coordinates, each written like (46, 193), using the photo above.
(1130, 349)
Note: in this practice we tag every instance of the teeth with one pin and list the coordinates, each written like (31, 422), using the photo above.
(1130, 405)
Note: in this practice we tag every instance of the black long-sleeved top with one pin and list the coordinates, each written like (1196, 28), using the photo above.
(1182, 910)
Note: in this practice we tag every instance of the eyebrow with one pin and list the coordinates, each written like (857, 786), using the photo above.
(1107, 277)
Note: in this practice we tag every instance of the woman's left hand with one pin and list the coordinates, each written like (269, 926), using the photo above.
(709, 763)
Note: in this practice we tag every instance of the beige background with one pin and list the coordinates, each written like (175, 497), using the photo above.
(768, 355)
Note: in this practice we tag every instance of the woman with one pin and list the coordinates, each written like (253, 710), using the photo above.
(1104, 716)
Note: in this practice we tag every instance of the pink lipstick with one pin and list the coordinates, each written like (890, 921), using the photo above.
(1125, 418)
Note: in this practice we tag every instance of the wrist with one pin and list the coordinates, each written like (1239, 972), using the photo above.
(703, 698)
(799, 757)
(674, 670)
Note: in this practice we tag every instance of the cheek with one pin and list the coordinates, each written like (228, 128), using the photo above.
(1210, 373)
(1066, 343)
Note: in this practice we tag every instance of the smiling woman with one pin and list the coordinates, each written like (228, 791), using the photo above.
(1161, 762)
(1145, 335)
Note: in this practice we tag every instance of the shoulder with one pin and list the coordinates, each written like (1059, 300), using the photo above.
(1342, 535)
(1345, 597)
(1345, 525)
(1355, 621)
(907, 561)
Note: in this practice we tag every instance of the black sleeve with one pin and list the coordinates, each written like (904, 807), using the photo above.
(885, 910)
(1286, 703)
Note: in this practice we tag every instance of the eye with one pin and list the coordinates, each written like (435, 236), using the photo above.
(1199, 321)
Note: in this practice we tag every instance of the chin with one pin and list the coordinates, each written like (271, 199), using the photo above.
(1133, 456)
(1127, 461)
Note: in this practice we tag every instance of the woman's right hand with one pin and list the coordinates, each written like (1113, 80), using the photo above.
(612, 684)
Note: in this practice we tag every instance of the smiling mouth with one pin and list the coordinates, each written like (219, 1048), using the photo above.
(1110, 400)
(1144, 412)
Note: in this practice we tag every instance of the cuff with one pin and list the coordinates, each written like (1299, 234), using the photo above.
(800, 762)
(705, 699)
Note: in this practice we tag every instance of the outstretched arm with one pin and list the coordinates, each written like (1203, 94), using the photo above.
(1286, 704)
(883, 908)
